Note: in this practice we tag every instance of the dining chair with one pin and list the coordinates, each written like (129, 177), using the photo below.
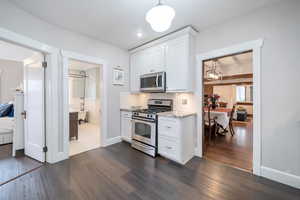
(231, 129)
(210, 125)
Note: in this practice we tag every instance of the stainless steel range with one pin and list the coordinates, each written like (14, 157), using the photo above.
(144, 125)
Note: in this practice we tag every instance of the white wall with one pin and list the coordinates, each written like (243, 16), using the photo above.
(19, 21)
(279, 26)
(11, 77)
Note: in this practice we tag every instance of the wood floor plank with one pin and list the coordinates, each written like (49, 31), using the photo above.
(122, 173)
(236, 150)
(12, 167)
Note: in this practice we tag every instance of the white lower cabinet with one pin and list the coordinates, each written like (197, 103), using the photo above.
(176, 138)
(126, 125)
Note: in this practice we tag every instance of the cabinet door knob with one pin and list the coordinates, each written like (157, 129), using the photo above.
(169, 147)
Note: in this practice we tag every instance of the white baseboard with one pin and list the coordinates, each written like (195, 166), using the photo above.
(112, 141)
(282, 177)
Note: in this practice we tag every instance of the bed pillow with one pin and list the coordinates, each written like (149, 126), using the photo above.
(11, 113)
(5, 109)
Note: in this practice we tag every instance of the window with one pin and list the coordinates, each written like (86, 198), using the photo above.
(240, 93)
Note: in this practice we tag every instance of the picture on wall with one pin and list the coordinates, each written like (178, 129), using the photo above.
(118, 76)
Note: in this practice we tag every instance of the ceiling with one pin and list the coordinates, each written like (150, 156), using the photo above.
(13, 52)
(118, 21)
(232, 65)
(79, 65)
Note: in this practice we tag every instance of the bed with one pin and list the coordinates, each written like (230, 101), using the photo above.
(6, 123)
(6, 130)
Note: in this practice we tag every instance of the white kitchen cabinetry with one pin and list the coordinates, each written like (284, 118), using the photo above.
(180, 65)
(126, 126)
(135, 71)
(154, 59)
(174, 54)
(176, 138)
(144, 62)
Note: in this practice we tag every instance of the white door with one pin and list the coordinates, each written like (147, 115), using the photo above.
(34, 127)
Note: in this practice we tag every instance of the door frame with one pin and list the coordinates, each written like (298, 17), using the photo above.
(255, 46)
(52, 101)
(66, 55)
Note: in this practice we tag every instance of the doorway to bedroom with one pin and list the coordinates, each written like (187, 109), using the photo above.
(21, 111)
(84, 81)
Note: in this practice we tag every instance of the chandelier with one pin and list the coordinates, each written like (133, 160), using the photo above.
(212, 73)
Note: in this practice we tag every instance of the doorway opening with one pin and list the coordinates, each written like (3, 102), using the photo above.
(228, 110)
(22, 111)
(84, 94)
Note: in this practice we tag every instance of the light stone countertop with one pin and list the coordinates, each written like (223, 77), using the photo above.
(177, 114)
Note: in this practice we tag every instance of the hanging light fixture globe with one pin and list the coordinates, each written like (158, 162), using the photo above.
(160, 17)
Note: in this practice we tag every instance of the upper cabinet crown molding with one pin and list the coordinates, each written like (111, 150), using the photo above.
(163, 39)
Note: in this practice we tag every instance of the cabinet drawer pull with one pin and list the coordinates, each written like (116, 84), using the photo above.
(168, 127)
(168, 147)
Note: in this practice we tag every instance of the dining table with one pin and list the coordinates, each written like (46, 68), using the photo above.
(221, 115)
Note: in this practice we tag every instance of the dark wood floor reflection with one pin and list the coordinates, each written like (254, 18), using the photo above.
(119, 172)
(12, 167)
(234, 150)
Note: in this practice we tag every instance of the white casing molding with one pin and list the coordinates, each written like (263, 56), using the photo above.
(112, 141)
(256, 47)
(52, 124)
(282, 177)
(66, 55)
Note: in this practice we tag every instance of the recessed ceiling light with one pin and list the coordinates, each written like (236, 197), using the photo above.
(139, 34)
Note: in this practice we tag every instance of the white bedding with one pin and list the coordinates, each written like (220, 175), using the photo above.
(6, 123)
(6, 130)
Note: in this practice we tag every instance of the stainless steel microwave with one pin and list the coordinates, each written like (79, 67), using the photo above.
(154, 82)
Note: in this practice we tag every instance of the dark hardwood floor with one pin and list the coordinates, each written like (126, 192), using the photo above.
(119, 172)
(12, 167)
(237, 150)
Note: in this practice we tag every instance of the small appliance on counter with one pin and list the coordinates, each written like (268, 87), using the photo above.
(154, 82)
(144, 125)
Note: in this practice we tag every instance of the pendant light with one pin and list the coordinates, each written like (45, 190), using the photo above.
(212, 73)
(160, 17)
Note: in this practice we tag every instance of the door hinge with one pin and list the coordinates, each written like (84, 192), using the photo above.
(24, 114)
(45, 149)
(44, 64)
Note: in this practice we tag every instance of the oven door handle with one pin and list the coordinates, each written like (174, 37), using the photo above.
(144, 121)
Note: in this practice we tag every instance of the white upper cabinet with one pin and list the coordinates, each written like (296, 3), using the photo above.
(179, 66)
(136, 65)
(173, 54)
(155, 59)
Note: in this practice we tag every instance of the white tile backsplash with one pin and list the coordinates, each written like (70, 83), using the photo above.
(181, 101)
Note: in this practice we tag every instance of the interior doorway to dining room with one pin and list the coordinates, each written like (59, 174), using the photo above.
(228, 110)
